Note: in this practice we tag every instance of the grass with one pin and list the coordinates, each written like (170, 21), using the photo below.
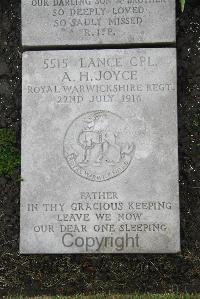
(9, 154)
(182, 2)
(133, 296)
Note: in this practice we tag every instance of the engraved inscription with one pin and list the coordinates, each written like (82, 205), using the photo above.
(99, 151)
(99, 145)
(97, 21)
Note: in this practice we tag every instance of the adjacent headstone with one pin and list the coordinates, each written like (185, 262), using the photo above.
(99, 152)
(87, 22)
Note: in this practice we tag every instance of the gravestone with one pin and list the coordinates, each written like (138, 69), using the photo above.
(99, 152)
(87, 22)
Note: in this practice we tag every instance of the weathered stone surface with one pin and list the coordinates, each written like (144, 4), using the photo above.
(99, 152)
(84, 22)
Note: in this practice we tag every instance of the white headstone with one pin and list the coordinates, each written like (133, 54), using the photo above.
(87, 22)
(99, 152)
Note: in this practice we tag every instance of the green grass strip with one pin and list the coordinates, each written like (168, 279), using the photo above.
(9, 154)
(133, 296)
